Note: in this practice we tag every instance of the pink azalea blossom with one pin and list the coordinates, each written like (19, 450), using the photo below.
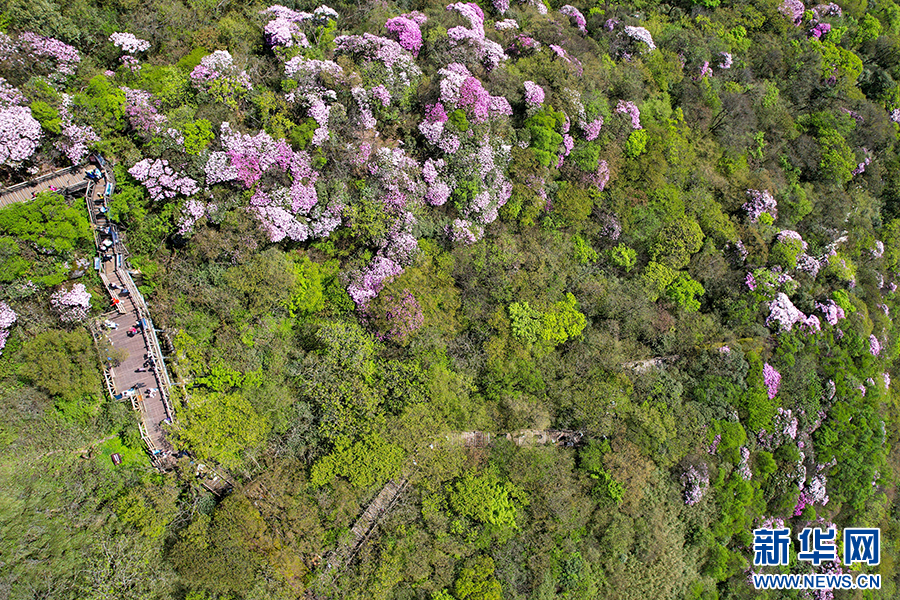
(71, 305)
(771, 379)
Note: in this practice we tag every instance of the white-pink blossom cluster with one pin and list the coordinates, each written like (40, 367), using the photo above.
(65, 56)
(727, 60)
(833, 312)
(20, 135)
(71, 305)
(462, 231)
(128, 42)
(761, 201)
(283, 31)
(384, 58)
(487, 51)
(630, 108)
(695, 480)
(874, 345)
(783, 313)
(75, 139)
(506, 24)
(367, 282)
(534, 94)
(744, 465)
(7, 318)
(793, 10)
(9, 96)
(640, 34)
(161, 180)
(576, 17)
(218, 75)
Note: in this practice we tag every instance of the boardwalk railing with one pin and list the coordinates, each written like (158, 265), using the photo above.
(41, 179)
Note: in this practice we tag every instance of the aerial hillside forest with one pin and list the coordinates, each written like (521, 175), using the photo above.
(362, 229)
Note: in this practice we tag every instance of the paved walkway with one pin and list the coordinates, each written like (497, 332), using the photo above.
(141, 377)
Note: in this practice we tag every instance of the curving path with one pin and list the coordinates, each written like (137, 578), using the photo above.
(142, 377)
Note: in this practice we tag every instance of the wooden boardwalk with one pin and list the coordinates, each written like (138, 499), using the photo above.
(23, 192)
(142, 377)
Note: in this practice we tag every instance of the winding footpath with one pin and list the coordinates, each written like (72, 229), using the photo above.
(142, 376)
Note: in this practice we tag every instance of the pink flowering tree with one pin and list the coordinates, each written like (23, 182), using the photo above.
(771, 379)
(161, 180)
(534, 94)
(472, 38)
(20, 135)
(75, 139)
(695, 481)
(7, 318)
(71, 305)
(218, 76)
(41, 49)
(761, 203)
(128, 42)
(630, 108)
(575, 16)
(383, 62)
(405, 30)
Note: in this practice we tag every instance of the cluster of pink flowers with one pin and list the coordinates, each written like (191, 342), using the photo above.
(833, 312)
(405, 30)
(161, 180)
(283, 31)
(438, 191)
(130, 62)
(66, 57)
(403, 315)
(640, 34)
(819, 30)
(761, 201)
(9, 96)
(727, 60)
(129, 43)
(366, 283)
(193, 211)
(217, 75)
(705, 71)
(534, 94)
(460, 89)
(695, 480)
(141, 109)
(464, 232)
(630, 108)
(506, 24)
(592, 129)
(714, 446)
(744, 465)
(75, 138)
(785, 315)
(71, 305)
(861, 167)
(575, 15)
(793, 10)
(381, 56)
(787, 235)
(874, 345)
(489, 52)
(20, 134)
(771, 379)
(7, 318)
